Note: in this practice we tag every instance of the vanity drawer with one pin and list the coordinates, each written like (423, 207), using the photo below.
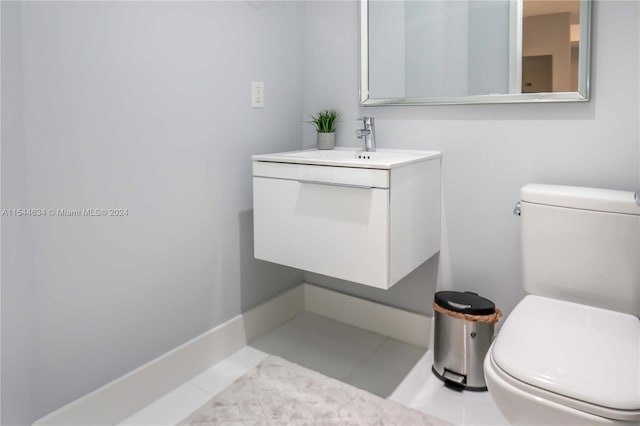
(336, 230)
(372, 178)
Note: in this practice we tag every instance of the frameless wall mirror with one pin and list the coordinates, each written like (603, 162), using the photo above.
(420, 52)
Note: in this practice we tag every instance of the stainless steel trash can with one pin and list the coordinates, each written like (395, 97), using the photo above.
(463, 331)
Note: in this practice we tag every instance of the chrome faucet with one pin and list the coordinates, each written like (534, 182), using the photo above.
(368, 132)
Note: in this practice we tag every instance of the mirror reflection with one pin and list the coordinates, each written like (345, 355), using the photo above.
(550, 41)
(456, 51)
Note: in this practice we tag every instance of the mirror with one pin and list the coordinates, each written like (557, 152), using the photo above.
(424, 52)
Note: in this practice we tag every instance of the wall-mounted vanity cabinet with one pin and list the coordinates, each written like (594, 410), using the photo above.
(367, 217)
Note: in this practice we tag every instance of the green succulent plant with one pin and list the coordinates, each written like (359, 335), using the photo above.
(325, 121)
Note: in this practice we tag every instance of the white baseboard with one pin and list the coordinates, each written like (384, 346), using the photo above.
(392, 322)
(124, 396)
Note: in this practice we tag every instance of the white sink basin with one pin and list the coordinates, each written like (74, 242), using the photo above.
(350, 157)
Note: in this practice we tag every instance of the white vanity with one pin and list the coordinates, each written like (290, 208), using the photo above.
(367, 217)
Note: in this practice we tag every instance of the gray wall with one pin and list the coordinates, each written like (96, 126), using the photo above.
(17, 356)
(490, 151)
(144, 106)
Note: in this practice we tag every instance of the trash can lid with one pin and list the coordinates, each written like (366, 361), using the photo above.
(465, 302)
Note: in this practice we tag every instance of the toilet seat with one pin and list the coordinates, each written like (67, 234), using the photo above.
(631, 416)
(590, 361)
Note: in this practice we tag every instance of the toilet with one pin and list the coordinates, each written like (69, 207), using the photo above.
(569, 352)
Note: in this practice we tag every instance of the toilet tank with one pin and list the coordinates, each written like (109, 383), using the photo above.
(581, 245)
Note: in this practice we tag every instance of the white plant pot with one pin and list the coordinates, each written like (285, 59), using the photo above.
(326, 140)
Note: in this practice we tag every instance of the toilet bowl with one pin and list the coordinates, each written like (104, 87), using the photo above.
(562, 363)
(569, 352)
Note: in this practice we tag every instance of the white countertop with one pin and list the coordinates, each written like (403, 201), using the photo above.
(351, 157)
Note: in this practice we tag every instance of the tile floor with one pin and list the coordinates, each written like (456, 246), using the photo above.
(367, 360)
(359, 357)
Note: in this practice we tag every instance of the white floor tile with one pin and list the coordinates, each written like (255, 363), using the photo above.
(423, 391)
(386, 368)
(171, 408)
(321, 344)
(218, 377)
(331, 348)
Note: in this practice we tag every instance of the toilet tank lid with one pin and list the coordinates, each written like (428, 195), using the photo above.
(578, 197)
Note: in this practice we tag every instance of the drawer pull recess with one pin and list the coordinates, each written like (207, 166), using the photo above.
(346, 185)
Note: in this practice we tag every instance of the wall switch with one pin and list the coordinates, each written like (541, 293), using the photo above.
(257, 94)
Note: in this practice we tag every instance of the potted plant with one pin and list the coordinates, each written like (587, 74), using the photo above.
(325, 124)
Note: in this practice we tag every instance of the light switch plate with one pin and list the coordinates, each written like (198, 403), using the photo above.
(257, 94)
